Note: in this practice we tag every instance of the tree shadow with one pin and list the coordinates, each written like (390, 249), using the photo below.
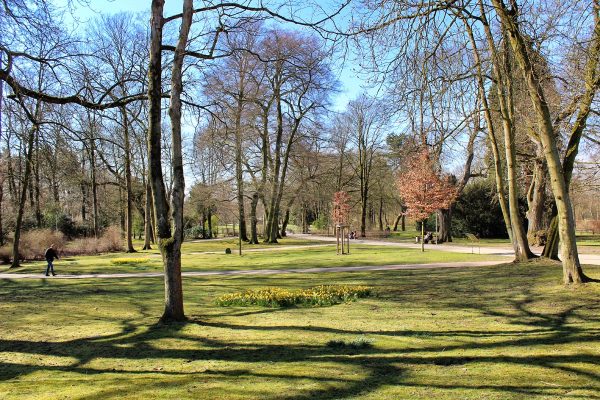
(380, 366)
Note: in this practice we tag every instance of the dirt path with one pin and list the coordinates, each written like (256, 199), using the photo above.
(361, 268)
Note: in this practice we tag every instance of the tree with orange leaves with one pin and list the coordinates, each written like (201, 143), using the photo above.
(423, 190)
(341, 208)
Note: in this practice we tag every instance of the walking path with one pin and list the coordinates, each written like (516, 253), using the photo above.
(361, 268)
(277, 248)
(475, 248)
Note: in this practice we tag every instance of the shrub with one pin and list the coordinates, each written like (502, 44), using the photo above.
(321, 223)
(110, 241)
(34, 243)
(5, 254)
(324, 295)
(360, 342)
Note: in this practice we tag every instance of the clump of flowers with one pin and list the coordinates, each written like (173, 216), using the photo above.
(128, 260)
(323, 295)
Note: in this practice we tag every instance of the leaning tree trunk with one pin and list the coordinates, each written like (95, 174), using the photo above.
(572, 271)
(592, 81)
(500, 189)
(21, 210)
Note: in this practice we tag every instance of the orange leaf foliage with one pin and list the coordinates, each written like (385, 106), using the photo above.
(422, 189)
(341, 208)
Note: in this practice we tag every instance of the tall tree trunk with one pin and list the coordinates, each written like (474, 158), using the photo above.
(209, 221)
(444, 227)
(95, 211)
(592, 83)
(148, 232)
(488, 120)
(271, 230)
(1, 193)
(363, 217)
(536, 198)
(253, 219)
(505, 99)
(396, 222)
(380, 213)
(25, 184)
(36, 181)
(128, 190)
(170, 245)
(239, 172)
(572, 271)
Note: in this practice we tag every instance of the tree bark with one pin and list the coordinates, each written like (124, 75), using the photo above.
(505, 94)
(253, 219)
(488, 120)
(284, 223)
(572, 271)
(148, 236)
(36, 181)
(445, 224)
(95, 211)
(536, 197)
(25, 184)
(592, 82)
(396, 222)
(169, 245)
(128, 190)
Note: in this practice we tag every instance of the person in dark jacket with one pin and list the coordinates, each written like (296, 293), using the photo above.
(50, 255)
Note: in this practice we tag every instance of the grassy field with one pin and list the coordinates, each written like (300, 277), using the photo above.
(210, 255)
(504, 332)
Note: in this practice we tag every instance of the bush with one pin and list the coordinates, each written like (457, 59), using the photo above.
(33, 244)
(324, 295)
(321, 223)
(5, 254)
(110, 241)
(360, 342)
(477, 211)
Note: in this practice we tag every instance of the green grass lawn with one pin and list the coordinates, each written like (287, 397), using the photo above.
(504, 332)
(210, 255)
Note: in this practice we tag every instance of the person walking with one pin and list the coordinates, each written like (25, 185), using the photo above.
(50, 255)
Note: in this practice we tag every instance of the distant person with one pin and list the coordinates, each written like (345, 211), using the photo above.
(428, 237)
(50, 255)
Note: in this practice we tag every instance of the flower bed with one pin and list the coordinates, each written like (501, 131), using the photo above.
(324, 295)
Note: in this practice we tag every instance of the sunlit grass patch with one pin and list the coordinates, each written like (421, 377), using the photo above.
(323, 295)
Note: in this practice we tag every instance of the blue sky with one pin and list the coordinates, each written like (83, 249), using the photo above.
(351, 83)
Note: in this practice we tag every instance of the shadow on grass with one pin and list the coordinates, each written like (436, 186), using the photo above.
(545, 328)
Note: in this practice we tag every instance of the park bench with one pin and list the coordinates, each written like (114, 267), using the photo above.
(474, 241)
